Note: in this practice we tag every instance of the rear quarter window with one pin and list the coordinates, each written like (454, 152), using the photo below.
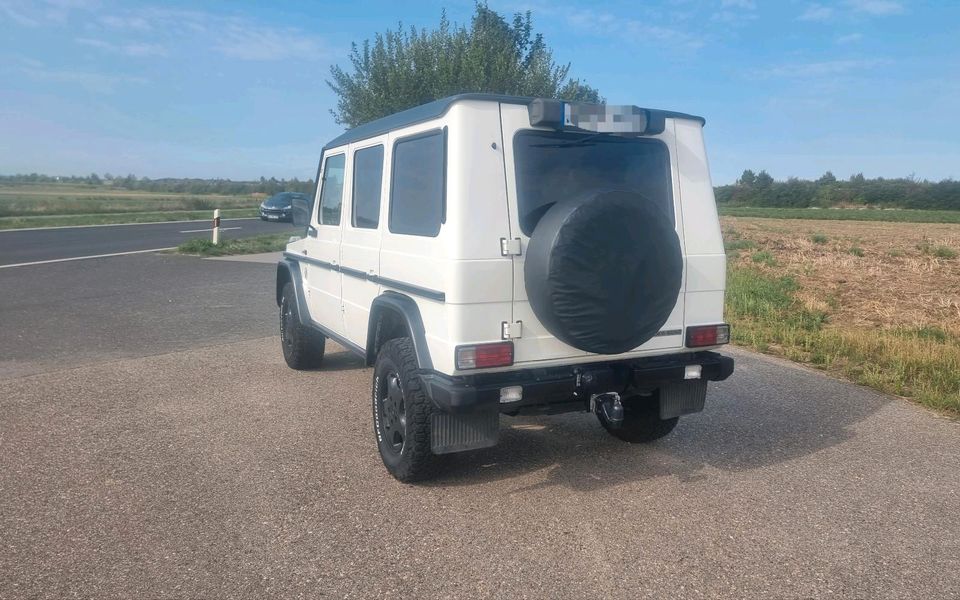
(417, 184)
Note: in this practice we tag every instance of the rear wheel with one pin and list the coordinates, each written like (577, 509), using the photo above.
(303, 347)
(641, 421)
(402, 413)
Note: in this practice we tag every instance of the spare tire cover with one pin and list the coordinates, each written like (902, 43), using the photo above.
(603, 273)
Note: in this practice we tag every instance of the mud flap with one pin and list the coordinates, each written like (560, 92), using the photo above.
(678, 399)
(470, 431)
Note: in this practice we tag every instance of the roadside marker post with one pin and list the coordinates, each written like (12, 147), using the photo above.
(216, 227)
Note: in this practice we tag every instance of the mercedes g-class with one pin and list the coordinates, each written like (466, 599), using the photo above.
(495, 255)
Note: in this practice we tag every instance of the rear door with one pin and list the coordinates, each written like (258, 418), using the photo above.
(360, 253)
(557, 171)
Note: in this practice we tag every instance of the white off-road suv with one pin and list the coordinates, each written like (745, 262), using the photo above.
(501, 255)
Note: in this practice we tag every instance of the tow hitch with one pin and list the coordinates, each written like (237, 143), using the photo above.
(608, 408)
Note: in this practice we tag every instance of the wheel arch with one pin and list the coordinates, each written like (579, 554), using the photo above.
(394, 315)
(288, 271)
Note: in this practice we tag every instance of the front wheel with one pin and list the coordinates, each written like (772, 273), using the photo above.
(641, 421)
(402, 413)
(303, 348)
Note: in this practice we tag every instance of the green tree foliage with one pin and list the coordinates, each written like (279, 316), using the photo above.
(404, 68)
(827, 191)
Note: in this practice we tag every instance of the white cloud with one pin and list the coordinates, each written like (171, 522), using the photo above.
(234, 37)
(817, 12)
(126, 22)
(247, 41)
(635, 30)
(34, 13)
(876, 7)
(819, 69)
(101, 83)
(131, 49)
(745, 4)
(850, 38)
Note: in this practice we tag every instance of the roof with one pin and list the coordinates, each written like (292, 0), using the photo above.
(437, 108)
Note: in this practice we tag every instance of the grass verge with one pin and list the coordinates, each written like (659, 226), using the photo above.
(120, 218)
(921, 363)
(845, 214)
(272, 242)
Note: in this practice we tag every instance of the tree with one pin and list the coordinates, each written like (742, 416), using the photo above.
(403, 68)
(827, 178)
(748, 178)
(764, 180)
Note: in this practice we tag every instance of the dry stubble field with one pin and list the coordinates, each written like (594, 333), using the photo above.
(877, 302)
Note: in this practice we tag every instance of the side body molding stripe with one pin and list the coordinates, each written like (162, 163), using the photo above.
(293, 273)
(400, 285)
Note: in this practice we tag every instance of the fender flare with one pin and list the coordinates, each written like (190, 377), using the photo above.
(289, 271)
(408, 311)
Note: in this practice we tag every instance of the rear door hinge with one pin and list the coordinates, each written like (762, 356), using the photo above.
(510, 331)
(510, 247)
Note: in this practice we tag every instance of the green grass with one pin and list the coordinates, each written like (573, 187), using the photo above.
(764, 257)
(856, 251)
(819, 238)
(740, 245)
(921, 363)
(119, 218)
(273, 242)
(54, 205)
(845, 214)
(17, 203)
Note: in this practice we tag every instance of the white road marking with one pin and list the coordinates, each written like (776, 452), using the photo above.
(56, 260)
(211, 229)
(126, 224)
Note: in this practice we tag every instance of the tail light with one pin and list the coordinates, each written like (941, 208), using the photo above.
(708, 335)
(483, 356)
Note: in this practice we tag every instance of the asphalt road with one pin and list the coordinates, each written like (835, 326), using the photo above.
(153, 444)
(32, 245)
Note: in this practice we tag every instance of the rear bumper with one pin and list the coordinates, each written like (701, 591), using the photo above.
(567, 388)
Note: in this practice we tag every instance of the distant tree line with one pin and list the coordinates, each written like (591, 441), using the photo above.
(170, 184)
(751, 189)
(760, 189)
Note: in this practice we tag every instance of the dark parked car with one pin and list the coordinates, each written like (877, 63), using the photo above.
(279, 207)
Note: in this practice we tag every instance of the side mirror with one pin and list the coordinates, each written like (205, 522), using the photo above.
(302, 207)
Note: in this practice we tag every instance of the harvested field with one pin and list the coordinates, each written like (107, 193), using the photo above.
(878, 302)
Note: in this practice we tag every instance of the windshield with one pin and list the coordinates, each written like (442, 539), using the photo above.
(281, 200)
(555, 165)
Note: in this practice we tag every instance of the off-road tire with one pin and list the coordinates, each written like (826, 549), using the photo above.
(303, 347)
(641, 421)
(407, 422)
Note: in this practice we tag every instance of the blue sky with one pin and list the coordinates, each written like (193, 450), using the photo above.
(236, 89)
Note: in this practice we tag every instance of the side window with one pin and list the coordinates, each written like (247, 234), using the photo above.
(331, 194)
(417, 184)
(367, 180)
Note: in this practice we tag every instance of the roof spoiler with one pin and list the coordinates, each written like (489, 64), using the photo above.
(596, 118)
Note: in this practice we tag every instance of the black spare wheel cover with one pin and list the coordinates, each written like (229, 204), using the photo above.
(603, 272)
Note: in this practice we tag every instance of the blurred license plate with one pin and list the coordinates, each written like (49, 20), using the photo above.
(273, 217)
